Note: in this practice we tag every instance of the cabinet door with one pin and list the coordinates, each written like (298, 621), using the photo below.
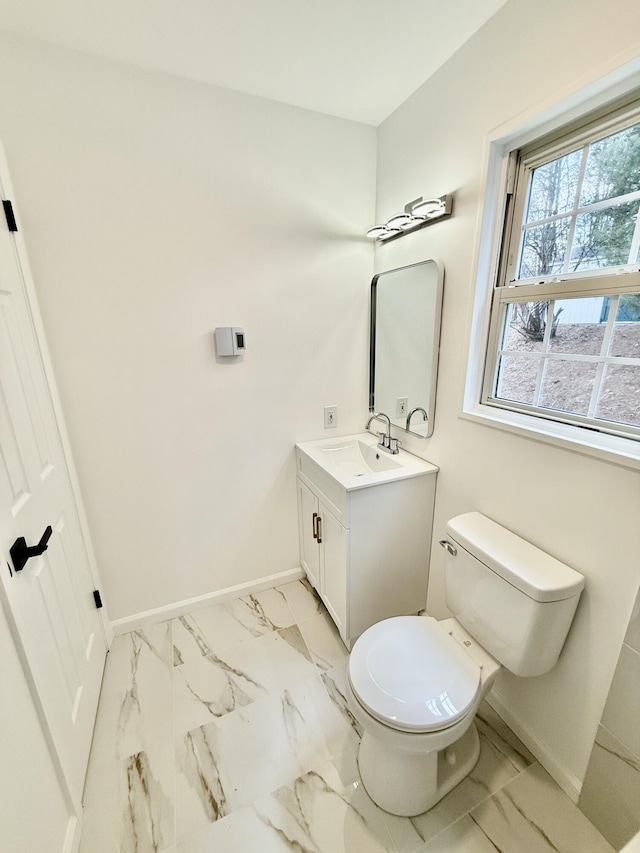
(309, 551)
(334, 548)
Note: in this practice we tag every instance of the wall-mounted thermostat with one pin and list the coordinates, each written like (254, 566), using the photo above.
(230, 340)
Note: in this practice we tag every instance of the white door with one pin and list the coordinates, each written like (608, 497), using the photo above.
(36, 813)
(50, 602)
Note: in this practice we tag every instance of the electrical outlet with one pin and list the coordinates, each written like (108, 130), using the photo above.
(402, 407)
(330, 417)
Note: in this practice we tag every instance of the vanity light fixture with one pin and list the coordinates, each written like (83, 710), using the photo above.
(417, 214)
(382, 231)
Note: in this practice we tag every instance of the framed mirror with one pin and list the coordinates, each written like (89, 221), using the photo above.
(406, 305)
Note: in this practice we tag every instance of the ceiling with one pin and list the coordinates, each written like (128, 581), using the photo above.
(357, 59)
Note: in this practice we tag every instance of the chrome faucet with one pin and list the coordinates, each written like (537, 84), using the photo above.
(385, 442)
(425, 417)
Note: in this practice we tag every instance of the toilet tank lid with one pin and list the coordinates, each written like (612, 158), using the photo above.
(534, 572)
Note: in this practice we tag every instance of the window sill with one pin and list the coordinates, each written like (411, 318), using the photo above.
(609, 448)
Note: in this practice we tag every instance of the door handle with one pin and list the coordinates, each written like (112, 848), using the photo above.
(315, 525)
(319, 529)
(21, 552)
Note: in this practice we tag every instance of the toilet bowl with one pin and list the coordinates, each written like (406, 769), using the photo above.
(414, 684)
(414, 687)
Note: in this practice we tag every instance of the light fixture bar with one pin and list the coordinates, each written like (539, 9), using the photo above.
(417, 214)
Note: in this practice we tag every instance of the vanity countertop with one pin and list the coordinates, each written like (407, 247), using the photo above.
(356, 461)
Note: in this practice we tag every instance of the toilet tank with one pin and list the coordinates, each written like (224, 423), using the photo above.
(516, 600)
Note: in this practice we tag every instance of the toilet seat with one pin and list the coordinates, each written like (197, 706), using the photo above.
(411, 675)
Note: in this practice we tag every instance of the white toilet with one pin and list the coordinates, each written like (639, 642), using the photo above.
(415, 684)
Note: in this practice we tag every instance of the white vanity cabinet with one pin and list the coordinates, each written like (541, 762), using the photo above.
(364, 539)
(324, 546)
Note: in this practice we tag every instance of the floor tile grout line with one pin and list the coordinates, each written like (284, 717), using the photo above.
(271, 694)
(444, 829)
(623, 746)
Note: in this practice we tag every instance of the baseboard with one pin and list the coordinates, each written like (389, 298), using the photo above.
(179, 608)
(569, 783)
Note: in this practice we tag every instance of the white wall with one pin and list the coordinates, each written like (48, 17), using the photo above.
(155, 209)
(579, 509)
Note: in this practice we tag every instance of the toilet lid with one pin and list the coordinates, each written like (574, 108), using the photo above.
(410, 674)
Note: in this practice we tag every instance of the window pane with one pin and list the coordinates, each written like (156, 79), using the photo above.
(517, 376)
(603, 237)
(620, 394)
(544, 249)
(613, 166)
(625, 341)
(524, 326)
(567, 386)
(526, 323)
(580, 326)
(553, 187)
(628, 307)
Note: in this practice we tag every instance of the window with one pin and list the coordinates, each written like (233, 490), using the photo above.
(564, 340)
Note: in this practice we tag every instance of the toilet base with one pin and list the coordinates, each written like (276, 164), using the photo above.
(409, 783)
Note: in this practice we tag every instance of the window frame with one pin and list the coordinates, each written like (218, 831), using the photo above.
(560, 112)
(518, 163)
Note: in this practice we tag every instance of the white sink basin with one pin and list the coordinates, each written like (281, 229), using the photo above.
(356, 461)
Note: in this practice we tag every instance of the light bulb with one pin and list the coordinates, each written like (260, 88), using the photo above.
(428, 208)
(376, 231)
(401, 221)
(381, 232)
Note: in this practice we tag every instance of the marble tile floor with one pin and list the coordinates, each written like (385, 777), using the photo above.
(227, 731)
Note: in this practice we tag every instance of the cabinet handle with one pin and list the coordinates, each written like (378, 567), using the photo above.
(315, 525)
(319, 529)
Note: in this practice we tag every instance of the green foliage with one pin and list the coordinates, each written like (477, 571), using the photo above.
(602, 237)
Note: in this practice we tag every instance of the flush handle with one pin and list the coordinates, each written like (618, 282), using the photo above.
(448, 547)
(21, 552)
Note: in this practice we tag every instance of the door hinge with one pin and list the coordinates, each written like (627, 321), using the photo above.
(97, 599)
(10, 215)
